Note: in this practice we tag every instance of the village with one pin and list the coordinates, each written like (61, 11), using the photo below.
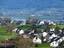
(31, 33)
(31, 23)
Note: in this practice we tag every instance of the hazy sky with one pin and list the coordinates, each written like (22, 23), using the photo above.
(38, 4)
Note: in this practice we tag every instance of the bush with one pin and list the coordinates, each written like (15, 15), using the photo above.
(23, 42)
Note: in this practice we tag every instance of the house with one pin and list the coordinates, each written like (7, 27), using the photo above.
(44, 34)
(47, 21)
(63, 38)
(14, 30)
(54, 44)
(52, 23)
(37, 40)
(31, 32)
(61, 34)
(21, 22)
(52, 29)
(25, 36)
(4, 20)
(41, 23)
(56, 39)
(60, 40)
(44, 39)
(18, 31)
(53, 35)
(21, 32)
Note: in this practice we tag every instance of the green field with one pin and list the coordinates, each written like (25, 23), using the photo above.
(61, 26)
(44, 45)
(6, 35)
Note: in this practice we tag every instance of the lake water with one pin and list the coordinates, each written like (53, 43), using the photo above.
(54, 18)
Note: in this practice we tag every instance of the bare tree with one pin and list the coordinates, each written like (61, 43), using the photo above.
(32, 20)
(9, 27)
(23, 42)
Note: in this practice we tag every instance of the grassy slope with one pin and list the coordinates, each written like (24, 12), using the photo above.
(5, 35)
(61, 26)
(44, 45)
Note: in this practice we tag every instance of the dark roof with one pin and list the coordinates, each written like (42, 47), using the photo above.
(53, 39)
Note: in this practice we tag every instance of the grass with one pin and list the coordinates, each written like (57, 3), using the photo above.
(6, 35)
(61, 26)
(25, 27)
(44, 45)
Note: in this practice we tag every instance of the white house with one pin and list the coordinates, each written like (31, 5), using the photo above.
(31, 32)
(25, 36)
(21, 32)
(23, 22)
(44, 34)
(63, 38)
(54, 44)
(52, 29)
(51, 22)
(60, 30)
(14, 30)
(37, 40)
(41, 23)
(44, 39)
(53, 35)
(60, 40)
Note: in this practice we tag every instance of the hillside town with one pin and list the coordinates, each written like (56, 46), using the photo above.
(31, 23)
(35, 32)
(53, 36)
